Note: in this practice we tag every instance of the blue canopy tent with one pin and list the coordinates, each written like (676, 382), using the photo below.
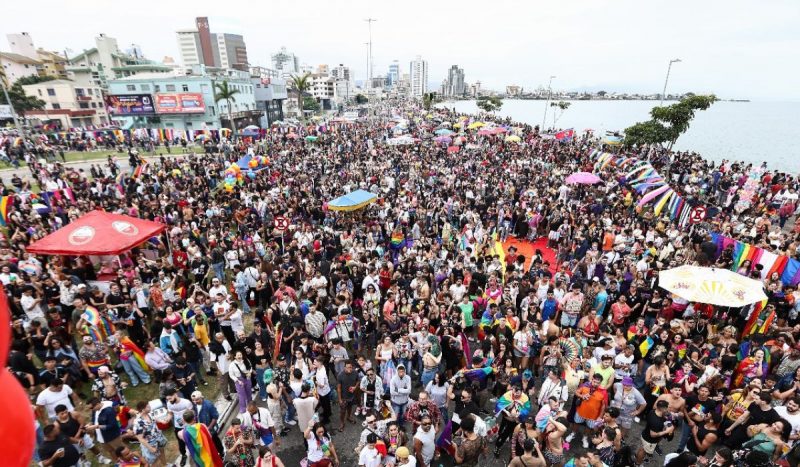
(352, 201)
(244, 164)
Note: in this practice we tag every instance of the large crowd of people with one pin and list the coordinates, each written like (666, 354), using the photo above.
(402, 313)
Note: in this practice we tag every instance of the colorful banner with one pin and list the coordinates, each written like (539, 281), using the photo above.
(130, 104)
(180, 103)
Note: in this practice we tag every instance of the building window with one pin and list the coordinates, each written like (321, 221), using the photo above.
(212, 109)
(185, 88)
(170, 88)
(94, 105)
(169, 125)
(79, 92)
(156, 88)
(204, 88)
(130, 87)
(258, 86)
(89, 91)
(56, 106)
(40, 91)
(145, 87)
(51, 92)
(83, 105)
(188, 124)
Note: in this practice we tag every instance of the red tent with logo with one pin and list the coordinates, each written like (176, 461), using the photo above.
(97, 233)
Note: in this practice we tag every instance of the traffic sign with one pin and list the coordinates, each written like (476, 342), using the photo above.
(697, 214)
(281, 223)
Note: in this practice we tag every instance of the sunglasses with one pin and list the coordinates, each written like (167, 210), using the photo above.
(426, 424)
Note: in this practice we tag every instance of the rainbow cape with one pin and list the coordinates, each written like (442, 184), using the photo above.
(201, 447)
(98, 326)
(760, 321)
(127, 344)
(506, 402)
(6, 202)
(137, 172)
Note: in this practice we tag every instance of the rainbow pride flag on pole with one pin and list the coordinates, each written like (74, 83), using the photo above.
(127, 344)
(200, 445)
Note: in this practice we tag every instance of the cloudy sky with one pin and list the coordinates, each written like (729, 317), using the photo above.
(736, 49)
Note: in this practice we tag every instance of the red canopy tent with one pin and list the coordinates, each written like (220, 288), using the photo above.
(97, 233)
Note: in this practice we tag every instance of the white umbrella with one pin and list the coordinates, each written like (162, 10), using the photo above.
(714, 286)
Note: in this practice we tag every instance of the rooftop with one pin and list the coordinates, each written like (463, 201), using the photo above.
(52, 81)
(12, 57)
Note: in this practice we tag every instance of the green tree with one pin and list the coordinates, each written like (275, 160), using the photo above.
(22, 102)
(227, 94)
(309, 103)
(429, 99)
(361, 99)
(34, 79)
(667, 123)
(562, 106)
(301, 84)
(489, 103)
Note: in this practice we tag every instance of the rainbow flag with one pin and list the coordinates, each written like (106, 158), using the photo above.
(445, 440)
(477, 375)
(6, 202)
(759, 321)
(645, 346)
(398, 239)
(506, 402)
(139, 170)
(127, 344)
(97, 325)
(201, 447)
(487, 319)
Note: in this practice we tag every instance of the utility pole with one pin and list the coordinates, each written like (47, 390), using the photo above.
(664, 92)
(369, 69)
(547, 104)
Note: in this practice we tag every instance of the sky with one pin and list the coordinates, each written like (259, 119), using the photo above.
(735, 49)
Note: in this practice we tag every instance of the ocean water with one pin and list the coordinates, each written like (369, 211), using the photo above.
(743, 131)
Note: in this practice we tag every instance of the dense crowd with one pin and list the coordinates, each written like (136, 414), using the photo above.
(403, 312)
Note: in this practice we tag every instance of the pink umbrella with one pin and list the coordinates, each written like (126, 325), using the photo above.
(292, 136)
(498, 130)
(453, 149)
(443, 139)
(485, 132)
(583, 178)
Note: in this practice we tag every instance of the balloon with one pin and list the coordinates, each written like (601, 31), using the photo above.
(251, 174)
(228, 188)
(253, 163)
(17, 424)
(241, 182)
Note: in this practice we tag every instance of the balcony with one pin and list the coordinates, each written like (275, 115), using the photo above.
(83, 98)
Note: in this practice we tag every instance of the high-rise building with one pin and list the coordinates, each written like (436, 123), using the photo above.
(230, 51)
(199, 46)
(285, 63)
(341, 72)
(22, 44)
(419, 77)
(455, 82)
(394, 73)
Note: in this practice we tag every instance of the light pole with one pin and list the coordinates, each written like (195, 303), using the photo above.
(369, 70)
(549, 93)
(664, 92)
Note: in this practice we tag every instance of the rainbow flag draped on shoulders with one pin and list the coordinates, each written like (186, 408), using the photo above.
(97, 325)
(477, 375)
(200, 445)
(127, 344)
(398, 240)
(508, 403)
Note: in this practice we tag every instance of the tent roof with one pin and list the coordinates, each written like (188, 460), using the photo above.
(97, 233)
(352, 201)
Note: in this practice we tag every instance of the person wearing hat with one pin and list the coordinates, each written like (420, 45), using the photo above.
(207, 414)
(629, 400)
(404, 458)
(108, 387)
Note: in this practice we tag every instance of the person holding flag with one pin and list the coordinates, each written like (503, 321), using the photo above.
(512, 406)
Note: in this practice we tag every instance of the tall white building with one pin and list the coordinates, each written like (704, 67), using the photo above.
(419, 77)
(189, 47)
(341, 72)
(454, 85)
(394, 73)
(285, 63)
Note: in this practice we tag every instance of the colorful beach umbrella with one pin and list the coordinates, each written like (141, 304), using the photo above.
(513, 139)
(583, 178)
(443, 132)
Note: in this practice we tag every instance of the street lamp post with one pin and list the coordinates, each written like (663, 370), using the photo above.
(549, 93)
(666, 80)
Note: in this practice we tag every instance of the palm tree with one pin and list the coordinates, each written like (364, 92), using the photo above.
(227, 94)
(301, 84)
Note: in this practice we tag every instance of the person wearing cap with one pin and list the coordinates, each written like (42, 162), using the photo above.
(207, 414)
(404, 458)
(108, 387)
(629, 400)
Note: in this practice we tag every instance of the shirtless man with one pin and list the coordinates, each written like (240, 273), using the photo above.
(554, 440)
(677, 404)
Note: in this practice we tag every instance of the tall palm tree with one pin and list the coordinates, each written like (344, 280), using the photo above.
(301, 84)
(227, 94)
